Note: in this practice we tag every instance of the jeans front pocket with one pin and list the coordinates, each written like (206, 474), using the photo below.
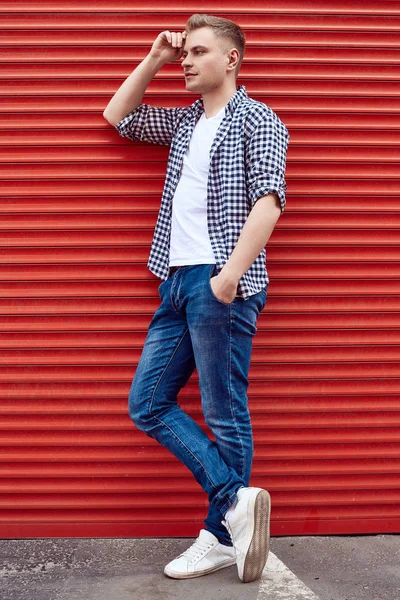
(213, 269)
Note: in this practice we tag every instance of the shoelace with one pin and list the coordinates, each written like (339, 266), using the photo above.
(196, 550)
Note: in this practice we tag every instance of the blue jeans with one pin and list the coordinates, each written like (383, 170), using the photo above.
(192, 328)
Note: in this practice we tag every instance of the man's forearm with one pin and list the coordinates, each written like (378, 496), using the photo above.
(130, 94)
(254, 235)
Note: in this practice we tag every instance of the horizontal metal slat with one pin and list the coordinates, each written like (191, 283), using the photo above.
(52, 513)
(102, 373)
(144, 170)
(123, 271)
(62, 187)
(319, 153)
(170, 468)
(86, 453)
(133, 54)
(250, 70)
(109, 287)
(140, 21)
(319, 304)
(283, 36)
(189, 401)
(124, 485)
(127, 322)
(126, 6)
(299, 102)
(137, 255)
(305, 443)
(265, 337)
(261, 354)
(288, 235)
(368, 421)
(362, 499)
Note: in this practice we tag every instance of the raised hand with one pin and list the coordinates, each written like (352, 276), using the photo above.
(168, 46)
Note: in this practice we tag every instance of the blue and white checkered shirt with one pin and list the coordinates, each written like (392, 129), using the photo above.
(247, 161)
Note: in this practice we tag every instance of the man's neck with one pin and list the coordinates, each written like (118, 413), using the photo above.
(213, 101)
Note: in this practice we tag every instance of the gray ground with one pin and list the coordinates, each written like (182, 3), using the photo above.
(334, 567)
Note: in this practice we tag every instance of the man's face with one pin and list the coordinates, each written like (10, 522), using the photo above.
(205, 56)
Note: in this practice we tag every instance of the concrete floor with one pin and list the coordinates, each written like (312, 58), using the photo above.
(333, 567)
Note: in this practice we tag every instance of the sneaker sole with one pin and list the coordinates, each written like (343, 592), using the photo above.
(259, 511)
(175, 575)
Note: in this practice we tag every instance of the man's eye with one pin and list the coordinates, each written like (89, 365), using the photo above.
(184, 55)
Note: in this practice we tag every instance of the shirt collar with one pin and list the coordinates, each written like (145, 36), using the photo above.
(238, 96)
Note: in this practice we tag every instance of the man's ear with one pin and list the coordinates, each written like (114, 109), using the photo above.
(233, 58)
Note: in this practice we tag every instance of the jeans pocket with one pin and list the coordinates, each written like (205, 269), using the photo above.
(264, 294)
(211, 272)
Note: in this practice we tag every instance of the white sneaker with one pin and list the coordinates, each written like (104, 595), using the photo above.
(204, 556)
(248, 524)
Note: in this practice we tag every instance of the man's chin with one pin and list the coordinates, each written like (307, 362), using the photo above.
(190, 81)
(193, 88)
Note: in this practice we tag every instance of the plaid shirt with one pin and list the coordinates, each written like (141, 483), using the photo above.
(247, 161)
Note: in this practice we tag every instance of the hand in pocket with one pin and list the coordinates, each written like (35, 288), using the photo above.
(223, 291)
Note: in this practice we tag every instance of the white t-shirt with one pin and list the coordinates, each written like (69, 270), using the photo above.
(190, 242)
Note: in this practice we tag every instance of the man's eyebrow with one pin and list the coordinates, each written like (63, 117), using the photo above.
(195, 48)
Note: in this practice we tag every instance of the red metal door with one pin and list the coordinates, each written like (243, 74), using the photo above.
(78, 209)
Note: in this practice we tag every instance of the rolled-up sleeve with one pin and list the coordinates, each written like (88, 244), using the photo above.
(266, 151)
(153, 124)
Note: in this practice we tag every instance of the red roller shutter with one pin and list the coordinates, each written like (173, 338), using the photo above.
(78, 210)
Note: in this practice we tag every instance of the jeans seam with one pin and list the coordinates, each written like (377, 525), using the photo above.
(229, 502)
(185, 447)
(165, 424)
(231, 395)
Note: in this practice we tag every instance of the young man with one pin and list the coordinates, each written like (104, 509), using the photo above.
(224, 192)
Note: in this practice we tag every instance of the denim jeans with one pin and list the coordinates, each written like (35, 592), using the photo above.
(192, 328)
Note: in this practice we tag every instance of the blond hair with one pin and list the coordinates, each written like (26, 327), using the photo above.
(222, 28)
